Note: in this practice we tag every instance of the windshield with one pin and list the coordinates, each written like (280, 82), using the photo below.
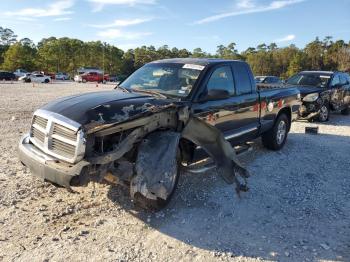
(166, 79)
(259, 79)
(309, 79)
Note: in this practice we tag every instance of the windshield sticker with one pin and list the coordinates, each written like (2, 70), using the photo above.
(325, 76)
(195, 67)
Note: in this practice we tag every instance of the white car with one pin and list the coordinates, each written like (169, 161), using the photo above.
(62, 76)
(78, 78)
(20, 73)
(36, 78)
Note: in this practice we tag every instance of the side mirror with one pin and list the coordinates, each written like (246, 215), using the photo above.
(215, 94)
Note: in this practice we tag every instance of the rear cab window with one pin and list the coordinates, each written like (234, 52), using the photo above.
(242, 77)
(222, 78)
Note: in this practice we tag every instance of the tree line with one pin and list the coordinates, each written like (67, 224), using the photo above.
(68, 54)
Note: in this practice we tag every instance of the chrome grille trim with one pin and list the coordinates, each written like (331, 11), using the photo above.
(57, 136)
(38, 134)
(39, 121)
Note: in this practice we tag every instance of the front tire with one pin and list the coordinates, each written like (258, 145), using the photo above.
(276, 137)
(324, 113)
(156, 205)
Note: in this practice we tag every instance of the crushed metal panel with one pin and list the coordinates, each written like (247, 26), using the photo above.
(156, 165)
(214, 143)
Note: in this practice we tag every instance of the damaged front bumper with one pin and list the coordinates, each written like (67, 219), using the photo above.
(308, 111)
(47, 167)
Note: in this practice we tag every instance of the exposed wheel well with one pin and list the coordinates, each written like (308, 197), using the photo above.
(288, 112)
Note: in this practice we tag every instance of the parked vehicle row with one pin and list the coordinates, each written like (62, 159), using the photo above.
(85, 74)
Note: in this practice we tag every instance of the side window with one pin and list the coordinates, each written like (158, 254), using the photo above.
(276, 80)
(222, 78)
(335, 80)
(267, 80)
(242, 79)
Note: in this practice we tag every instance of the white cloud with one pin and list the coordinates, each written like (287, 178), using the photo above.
(123, 2)
(57, 8)
(117, 33)
(285, 39)
(62, 19)
(245, 4)
(123, 23)
(244, 7)
(99, 4)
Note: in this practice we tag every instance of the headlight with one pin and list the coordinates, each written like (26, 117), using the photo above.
(311, 97)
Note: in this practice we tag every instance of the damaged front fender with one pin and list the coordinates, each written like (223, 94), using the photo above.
(219, 149)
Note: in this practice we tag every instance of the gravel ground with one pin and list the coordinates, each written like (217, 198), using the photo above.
(297, 208)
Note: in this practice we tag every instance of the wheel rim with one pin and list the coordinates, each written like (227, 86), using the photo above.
(323, 113)
(281, 132)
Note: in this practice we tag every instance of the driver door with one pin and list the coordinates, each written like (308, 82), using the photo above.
(336, 92)
(234, 114)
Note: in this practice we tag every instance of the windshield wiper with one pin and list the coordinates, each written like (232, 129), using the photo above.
(151, 92)
(121, 88)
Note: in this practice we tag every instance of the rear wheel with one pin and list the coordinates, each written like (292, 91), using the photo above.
(276, 137)
(47, 81)
(324, 113)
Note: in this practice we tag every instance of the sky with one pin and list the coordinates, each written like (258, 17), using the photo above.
(180, 23)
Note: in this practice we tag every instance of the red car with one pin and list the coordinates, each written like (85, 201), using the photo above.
(92, 77)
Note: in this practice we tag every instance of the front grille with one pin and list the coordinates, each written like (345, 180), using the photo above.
(57, 136)
(62, 148)
(64, 132)
(38, 135)
(40, 121)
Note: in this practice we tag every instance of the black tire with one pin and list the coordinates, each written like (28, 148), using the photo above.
(28, 80)
(47, 81)
(324, 113)
(274, 139)
(156, 205)
(346, 111)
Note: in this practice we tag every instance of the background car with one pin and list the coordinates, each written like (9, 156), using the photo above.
(7, 76)
(62, 76)
(268, 80)
(36, 78)
(89, 77)
(322, 92)
(20, 72)
(89, 69)
(112, 78)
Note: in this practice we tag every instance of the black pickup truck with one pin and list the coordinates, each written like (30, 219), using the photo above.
(321, 92)
(153, 123)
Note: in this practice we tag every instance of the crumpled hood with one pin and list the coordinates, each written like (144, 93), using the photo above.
(305, 90)
(105, 106)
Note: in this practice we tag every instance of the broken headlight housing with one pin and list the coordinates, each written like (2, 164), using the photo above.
(311, 97)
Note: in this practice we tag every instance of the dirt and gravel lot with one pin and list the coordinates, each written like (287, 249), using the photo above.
(297, 208)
